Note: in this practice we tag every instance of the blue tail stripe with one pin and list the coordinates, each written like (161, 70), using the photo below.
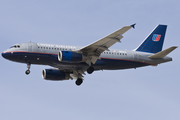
(154, 42)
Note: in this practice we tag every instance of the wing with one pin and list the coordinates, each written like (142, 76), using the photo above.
(93, 51)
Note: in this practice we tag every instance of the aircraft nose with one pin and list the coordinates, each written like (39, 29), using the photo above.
(4, 54)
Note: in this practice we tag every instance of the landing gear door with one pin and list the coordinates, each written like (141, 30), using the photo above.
(30, 47)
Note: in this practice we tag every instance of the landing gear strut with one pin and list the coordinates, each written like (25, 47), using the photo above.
(28, 71)
(79, 81)
(90, 70)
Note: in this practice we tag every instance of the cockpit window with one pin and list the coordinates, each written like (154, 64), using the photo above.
(15, 46)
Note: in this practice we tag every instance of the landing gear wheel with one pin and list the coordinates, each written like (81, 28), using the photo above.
(79, 81)
(90, 70)
(27, 72)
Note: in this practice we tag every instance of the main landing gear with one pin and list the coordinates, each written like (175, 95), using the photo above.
(28, 71)
(90, 70)
(79, 81)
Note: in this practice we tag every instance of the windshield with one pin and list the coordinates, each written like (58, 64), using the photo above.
(15, 46)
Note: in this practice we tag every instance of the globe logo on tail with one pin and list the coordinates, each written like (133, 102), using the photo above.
(156, 37)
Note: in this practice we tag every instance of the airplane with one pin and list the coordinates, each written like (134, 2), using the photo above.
(71, 62)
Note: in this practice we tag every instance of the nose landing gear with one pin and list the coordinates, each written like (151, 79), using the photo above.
(28, 71)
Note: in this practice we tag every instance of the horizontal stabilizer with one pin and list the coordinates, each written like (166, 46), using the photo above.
(163, 53)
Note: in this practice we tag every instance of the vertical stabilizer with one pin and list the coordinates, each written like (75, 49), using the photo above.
(154, 42)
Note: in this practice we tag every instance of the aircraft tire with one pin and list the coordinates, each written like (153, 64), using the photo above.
(27, 72)
(79, 81)
(90, 70)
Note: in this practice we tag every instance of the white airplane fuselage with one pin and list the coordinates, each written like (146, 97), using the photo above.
(47, 54)
(71, 62)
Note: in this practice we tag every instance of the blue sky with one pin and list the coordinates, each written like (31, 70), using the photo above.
(145, 93)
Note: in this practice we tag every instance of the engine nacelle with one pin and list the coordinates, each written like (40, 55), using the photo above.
(52, 74)
(70, 56)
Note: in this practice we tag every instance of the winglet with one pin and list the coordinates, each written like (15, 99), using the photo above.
(133, 25)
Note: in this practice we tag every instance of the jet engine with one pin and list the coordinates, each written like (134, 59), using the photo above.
(70, 56)
(56, 75)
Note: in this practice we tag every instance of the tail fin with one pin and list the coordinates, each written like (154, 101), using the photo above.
(154, 42)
